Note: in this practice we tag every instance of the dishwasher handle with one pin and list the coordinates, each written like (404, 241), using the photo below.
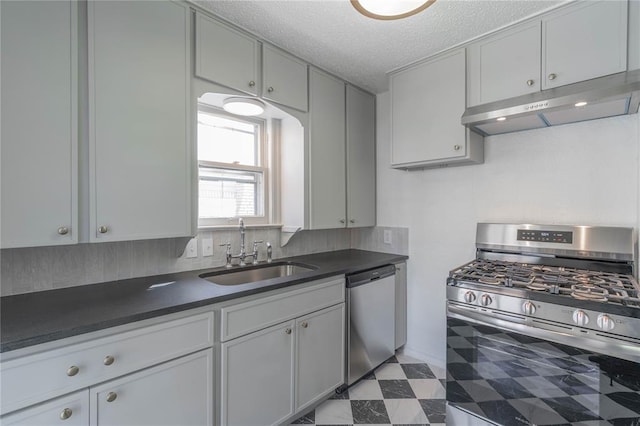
(363, 277)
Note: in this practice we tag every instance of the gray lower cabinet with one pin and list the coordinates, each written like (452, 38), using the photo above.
(281, 352)
(401, 304)
(257, 377)
(319, 355)
(269, 375)
(175, 393)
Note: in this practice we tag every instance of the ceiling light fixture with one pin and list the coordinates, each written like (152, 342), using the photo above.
(243, 106)
(390, 9)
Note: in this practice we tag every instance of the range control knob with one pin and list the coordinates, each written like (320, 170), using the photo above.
(528, 308)
(469, 297)
(485, 300)
(605, 322)
(580, 318)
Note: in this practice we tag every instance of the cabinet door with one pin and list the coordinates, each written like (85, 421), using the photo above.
(284, 78)
(584, 42)
(39, 123)
(226, 56)
(327, 188)
(257, 377)
(427, 101)
(73, 409)
(505, 65)
(140, 146)
(361, 158)
(401, 304)
(179, 392)
(319, 355)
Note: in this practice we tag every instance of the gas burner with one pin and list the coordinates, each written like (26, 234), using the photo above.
(589, 292)
(538, 286)
(589, 279)
(490, 280)
(557, 279)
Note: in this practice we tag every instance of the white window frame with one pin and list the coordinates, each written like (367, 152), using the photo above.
(265, 167)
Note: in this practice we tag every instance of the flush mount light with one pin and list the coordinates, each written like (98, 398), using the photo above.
(580, 104)
(390, 9)
(243, 106)
(501, 118)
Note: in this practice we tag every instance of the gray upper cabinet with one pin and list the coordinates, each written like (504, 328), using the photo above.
(39, 123)
(582, 41)
(140, 147)
(361, 158)
(505, 65)
(326, 172)
(284, 78)
(427, 101)
(226, 56)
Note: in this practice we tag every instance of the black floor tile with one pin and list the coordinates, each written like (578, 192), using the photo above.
(396, 389)
(417, 371)
(434, 409)
(369, 412)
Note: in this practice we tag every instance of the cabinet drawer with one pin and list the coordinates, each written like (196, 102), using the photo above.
(73, 409)
(42, 376)
(243, 318)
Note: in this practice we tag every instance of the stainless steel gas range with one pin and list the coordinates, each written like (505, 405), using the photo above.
(543, 328)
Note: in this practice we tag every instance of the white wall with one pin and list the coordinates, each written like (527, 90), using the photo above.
(584, 173)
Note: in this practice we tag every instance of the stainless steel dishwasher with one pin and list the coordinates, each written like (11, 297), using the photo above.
(371, 320)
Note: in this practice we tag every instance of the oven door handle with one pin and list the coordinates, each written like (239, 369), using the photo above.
(544, 330)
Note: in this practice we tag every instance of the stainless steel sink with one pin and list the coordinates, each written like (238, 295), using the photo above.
(253, 274)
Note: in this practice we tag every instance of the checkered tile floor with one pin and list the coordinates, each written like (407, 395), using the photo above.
(402, 391)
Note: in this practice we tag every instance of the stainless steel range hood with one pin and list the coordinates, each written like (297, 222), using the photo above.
(616, 94)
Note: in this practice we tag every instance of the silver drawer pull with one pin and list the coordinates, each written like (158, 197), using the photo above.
(108, 360)
(65, 414)
(63, 230)
(287, 330)
(111, 396)
(304, 324)
(72, 371)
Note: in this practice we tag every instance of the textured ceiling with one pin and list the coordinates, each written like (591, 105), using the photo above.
(333, 36)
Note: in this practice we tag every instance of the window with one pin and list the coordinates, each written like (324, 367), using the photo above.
(233, 168)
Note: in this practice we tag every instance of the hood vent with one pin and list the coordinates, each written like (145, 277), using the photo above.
(616, 94)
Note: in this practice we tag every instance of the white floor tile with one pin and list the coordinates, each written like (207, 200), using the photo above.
(405, 411)
(427, 388)
(390, 372)
(366, 389)
(334, 412)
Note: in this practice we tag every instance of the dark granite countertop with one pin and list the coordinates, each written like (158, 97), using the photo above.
(34, 318)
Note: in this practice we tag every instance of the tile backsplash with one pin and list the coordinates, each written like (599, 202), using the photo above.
(27, 270)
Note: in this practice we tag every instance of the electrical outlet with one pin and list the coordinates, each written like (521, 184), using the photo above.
(207, 246)
(387, 237)
(192, 248)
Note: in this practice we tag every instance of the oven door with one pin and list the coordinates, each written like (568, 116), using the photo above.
(510, 378)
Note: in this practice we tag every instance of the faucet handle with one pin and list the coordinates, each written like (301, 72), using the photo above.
(255, 251)
(269, 252)
(227, 254)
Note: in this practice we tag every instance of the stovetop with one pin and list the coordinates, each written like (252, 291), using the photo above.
(580, 284)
